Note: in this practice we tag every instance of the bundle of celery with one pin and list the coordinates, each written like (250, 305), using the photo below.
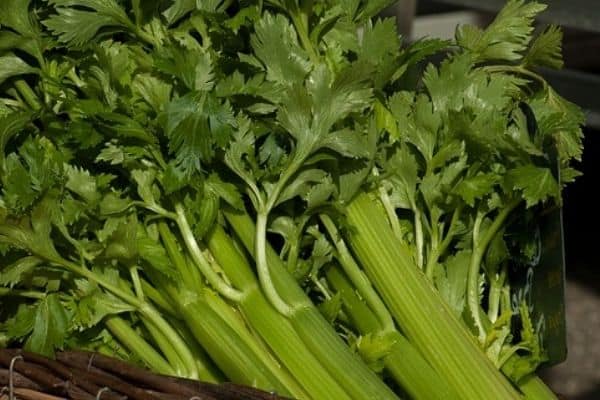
(278, 193)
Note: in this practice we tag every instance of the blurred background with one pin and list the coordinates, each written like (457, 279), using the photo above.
(577, 378)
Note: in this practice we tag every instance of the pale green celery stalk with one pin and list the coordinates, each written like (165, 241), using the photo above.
(535, 389)
(107, 350)
(419, 241)
(346, 367)
(389, 208)
(403, 362)
(158, 298)
(419, 309)
(215, 280)
(165, 346)
(207, 370)
(163, 342)
(225, 339)
(136, 281)
(481, 242)
(234, 319)
(138, 346)
(145, 309)
(274, 328)
(233, 355)
(357, 276)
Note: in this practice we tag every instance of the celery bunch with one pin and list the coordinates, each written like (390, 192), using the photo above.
(278, 193)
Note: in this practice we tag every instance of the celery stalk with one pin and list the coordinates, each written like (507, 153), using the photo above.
(138, 346)
(273, 327)
(403, 362)
(347, 368)
(207, 370)
(418, 308)
(534, 389)
(236, 358)
(164, 344)
(158, 298)
(224, 336)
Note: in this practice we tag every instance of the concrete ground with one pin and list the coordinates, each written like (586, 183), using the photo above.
(578, 378)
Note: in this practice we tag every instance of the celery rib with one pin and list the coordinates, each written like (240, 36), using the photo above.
(138, 346)
(273, 327)
(534, 389)
(230, 352)
(418, 308)
(207, 370)
(226, 339)
(403, 362)
(165, 346)
(346, 367)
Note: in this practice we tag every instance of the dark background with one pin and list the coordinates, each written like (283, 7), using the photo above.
(579, 376)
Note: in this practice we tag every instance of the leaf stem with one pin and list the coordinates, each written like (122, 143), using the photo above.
(21, 293)
(262, 265)
(77, 81)
(434, 229)
(137, 284)
(432, 259)
(497, 283)
(292, 257)
(143, 36)
(300, 21)
(137, 345)
(499, 221)
(158, 298)
(201, 262)
(176, 256)
(176, 341)
(391, 212)
(157, 210)
(143, 307)
(516, 69)
(479, 248)
(534, 389)
(166, 347)
(28, 94)
(264, 275)
(207, 370)
(357, 276)
(94, 277)
(287, 174)
(451, 228)
(419, 237)
(473, 279)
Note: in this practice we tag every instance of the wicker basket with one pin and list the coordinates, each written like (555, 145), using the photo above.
(82, 375)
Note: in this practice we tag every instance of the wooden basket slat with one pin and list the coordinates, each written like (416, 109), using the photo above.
(80, 375)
